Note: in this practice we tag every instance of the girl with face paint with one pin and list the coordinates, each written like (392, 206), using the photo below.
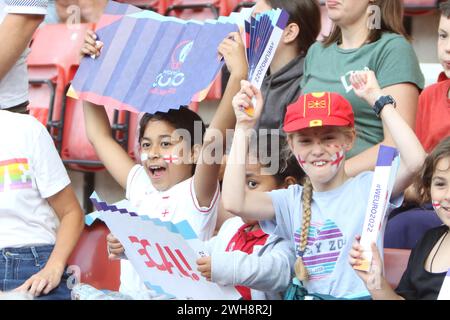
(430, 259)
(322, 217)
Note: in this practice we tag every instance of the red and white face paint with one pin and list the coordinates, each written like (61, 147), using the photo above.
(436, 205)
(171, 159)
(336, 160)
(168, 159)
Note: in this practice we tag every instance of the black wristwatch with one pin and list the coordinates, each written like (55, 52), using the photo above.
(381, 102)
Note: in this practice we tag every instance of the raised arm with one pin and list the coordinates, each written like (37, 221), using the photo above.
(207, 174)
(406, 96)
(16, 31)
(98, 130)
(411, 152)
(252, 205)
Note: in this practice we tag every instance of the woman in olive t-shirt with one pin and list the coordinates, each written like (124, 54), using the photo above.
(363, 38)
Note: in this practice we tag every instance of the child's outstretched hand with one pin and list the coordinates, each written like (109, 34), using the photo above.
(247, 114)
(91, 46)
(115, 248)
(373, 278)
(233, 51)
(365, 86)
(204, 267)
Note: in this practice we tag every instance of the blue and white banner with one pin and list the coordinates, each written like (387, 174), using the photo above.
(163, 254)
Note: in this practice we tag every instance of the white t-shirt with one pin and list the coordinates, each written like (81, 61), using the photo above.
(30, 171)
(176, 204)
(337, 217)
(14, 86)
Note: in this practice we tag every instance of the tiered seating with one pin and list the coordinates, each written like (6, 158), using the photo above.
(51, 64)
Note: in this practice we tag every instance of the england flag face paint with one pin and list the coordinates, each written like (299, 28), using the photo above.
(334, 163)
(171, 159)
(337, 160)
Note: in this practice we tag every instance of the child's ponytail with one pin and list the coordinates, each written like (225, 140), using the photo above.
(300, 270)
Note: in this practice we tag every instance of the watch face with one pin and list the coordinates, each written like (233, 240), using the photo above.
(381, 102)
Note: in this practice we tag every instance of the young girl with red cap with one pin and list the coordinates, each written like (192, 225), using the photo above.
(321, 217)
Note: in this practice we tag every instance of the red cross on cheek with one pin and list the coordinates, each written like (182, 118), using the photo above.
(339, 158)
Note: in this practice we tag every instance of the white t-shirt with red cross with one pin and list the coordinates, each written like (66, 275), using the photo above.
(175, 205)
(30, 172)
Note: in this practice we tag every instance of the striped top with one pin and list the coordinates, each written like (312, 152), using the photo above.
(26, 6)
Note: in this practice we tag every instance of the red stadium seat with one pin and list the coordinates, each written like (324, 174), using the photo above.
(395, 263)
(91, 256)
(417, 7)
(237, 5)
(54, 57)
(159, 6)
(76, 149)
(194, 9)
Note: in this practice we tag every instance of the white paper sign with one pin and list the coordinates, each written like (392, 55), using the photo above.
(163, 254)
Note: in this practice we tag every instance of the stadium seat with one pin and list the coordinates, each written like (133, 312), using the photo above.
(54, 57)
(159, 6)
(418, 7)
(237, 5)
(199, 10)
(194, 9)
(76, 151)
(395, 263)
(90, 255)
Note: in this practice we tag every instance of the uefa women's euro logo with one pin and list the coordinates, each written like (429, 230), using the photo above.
(168, 80)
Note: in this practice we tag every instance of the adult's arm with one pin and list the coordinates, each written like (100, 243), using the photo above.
(16, 31)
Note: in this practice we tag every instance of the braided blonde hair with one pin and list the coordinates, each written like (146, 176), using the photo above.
(300, 270)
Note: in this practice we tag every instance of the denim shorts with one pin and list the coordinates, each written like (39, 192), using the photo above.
(18, 264)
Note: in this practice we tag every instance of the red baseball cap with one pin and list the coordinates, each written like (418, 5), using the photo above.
(318, 109)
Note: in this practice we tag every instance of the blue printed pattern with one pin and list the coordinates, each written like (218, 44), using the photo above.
(27, 3)
(183, 228)
(325, 242)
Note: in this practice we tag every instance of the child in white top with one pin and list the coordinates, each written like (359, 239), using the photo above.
(168, 184)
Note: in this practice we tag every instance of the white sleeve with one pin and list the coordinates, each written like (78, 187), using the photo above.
(26, 6)
(214, 201)
(48, 168)
(269, 272)
(138, 183)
